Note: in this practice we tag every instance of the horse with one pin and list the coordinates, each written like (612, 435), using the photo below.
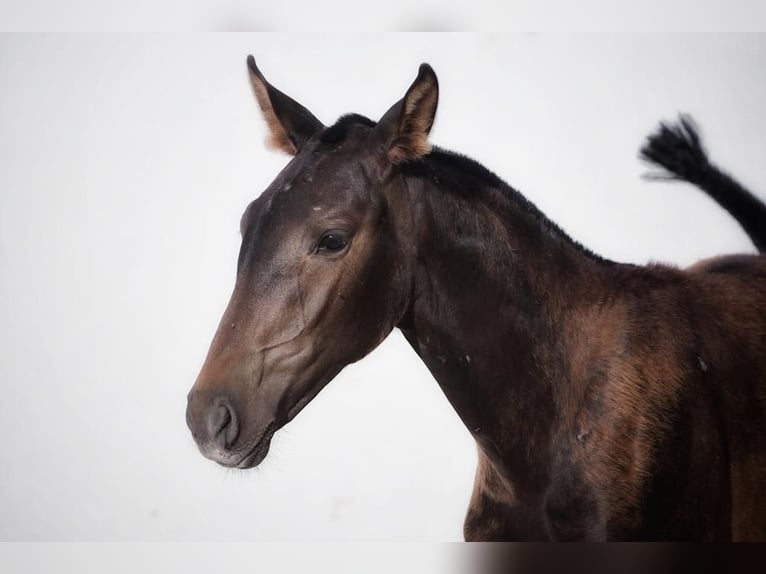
(608, 401)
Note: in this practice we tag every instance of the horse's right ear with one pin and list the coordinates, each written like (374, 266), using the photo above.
(404, 128)
(290, 124)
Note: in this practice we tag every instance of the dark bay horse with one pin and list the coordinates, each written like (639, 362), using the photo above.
(608, 401)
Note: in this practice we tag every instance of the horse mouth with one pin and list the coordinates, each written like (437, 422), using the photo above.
(255, 455)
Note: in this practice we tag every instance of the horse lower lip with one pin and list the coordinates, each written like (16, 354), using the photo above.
(256, 455)
(252, 459)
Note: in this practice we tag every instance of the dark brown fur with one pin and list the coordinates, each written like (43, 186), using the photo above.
(608, 401)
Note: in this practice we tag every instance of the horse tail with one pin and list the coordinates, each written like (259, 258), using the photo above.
(678, 150)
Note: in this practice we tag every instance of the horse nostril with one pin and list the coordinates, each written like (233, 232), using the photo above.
(222, 424)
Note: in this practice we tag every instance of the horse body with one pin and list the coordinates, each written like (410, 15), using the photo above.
(608, 401)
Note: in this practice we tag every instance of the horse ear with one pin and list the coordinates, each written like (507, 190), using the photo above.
(290, 124)
(405, 126)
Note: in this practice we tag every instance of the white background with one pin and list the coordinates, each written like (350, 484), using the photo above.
(125, 164)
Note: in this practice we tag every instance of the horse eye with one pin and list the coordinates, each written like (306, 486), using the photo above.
(333, 241)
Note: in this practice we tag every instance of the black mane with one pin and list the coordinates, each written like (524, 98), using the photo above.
(461, 175)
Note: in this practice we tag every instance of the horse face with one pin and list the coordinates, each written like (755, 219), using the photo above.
(322, 277)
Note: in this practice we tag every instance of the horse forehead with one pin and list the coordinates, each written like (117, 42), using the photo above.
(285, 189)
(326, 177)
(316, 180)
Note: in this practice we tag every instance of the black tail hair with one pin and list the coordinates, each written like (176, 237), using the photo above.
(677, 149)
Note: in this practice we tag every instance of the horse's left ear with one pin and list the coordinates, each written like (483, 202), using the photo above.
(405, 126)
(290, 124)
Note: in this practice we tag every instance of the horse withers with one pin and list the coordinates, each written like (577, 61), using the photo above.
(608, 401)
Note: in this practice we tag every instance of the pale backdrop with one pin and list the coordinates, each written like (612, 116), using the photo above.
(125, 164)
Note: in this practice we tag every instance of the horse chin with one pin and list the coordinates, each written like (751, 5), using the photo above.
(255, 458)
(255, 455)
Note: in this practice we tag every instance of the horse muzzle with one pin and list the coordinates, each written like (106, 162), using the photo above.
(217, 428)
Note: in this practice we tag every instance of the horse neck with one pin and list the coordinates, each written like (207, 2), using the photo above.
(496, 287)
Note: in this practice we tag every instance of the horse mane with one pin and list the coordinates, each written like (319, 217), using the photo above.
(458, 174)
